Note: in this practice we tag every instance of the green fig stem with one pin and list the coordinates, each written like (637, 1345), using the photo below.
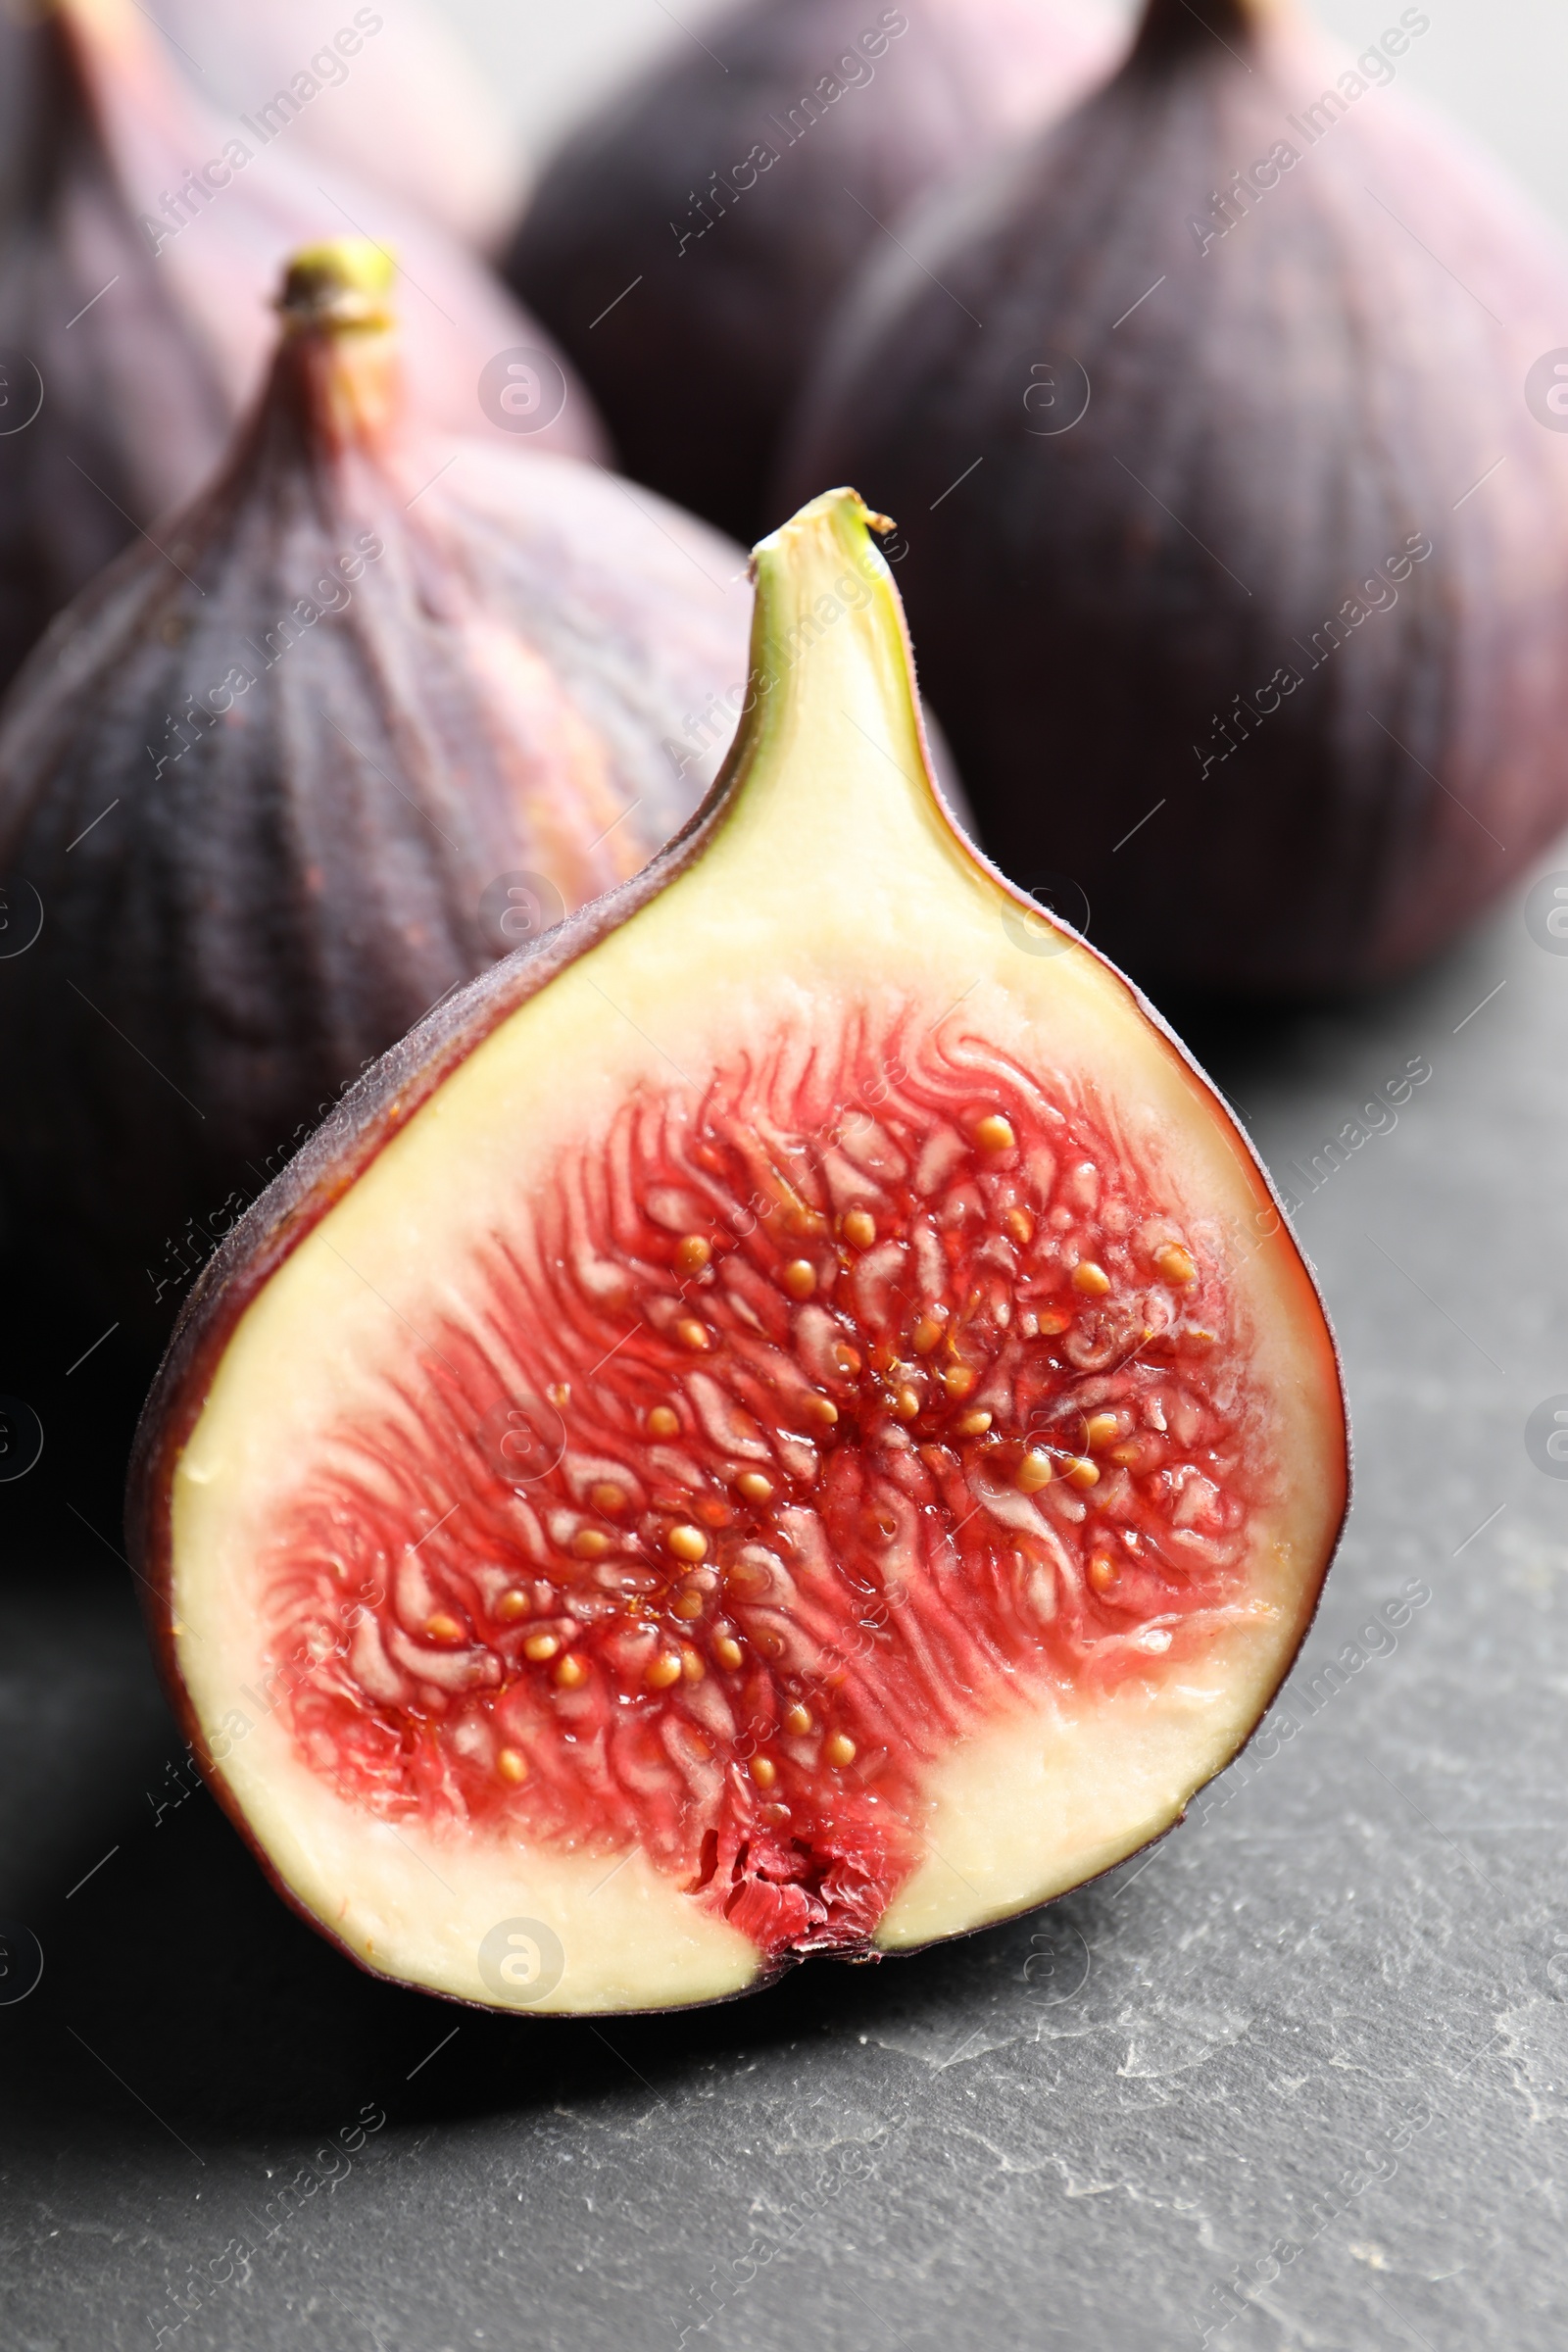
(338, 330)
(343, 286)
(830, 694)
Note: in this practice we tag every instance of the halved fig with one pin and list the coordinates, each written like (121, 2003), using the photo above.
(785, 1419)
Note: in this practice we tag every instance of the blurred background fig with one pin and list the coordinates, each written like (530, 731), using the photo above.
(686, 242)
(401, 103)
(140, 241)
(1238, 555)
(382, 706)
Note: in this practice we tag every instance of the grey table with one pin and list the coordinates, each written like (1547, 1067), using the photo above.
(1295, 2078)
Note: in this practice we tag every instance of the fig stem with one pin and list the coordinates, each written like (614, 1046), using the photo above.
(339, 345)
(830, 665)
(344, 285)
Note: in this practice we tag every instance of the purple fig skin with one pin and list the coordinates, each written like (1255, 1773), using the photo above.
(404, 108)
(1263, 653)
(384, 675)
(696, 367)
(148, 358)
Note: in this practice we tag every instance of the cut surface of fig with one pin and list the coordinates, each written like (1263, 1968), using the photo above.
(784, 1420)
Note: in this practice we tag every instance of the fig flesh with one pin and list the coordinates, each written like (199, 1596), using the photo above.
(378, 703)
(785, 1419)
(697, 230)
(141, 243)
(1241, 573)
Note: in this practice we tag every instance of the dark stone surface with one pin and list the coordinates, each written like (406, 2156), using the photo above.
(1314, 2046)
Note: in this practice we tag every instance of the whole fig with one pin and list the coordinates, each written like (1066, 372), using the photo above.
(381, 706)
(140, 239)
(694, 232)
(1237, 550)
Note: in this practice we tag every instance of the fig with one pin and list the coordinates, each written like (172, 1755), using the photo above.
(396, 99)
(1240, 564)
(377, 703)
(696, 230)
(783, 1419)
(140, 241)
